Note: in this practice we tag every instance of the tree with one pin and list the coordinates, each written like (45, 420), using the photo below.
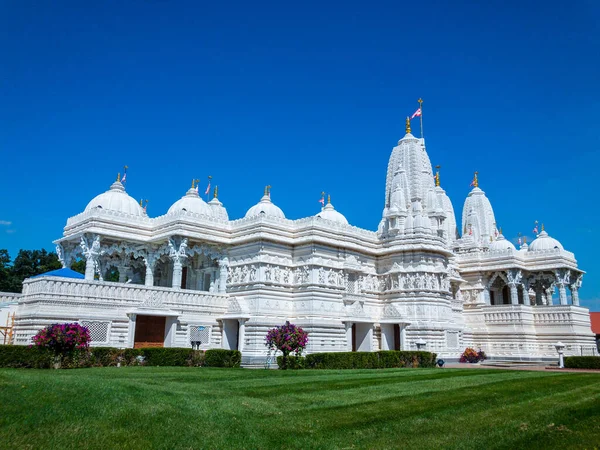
(8, 281)
(28, 263)
(287, 338)
(78, 266)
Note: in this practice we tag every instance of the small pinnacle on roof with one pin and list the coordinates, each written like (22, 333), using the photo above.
(216, 193)
(118, 176)
(329, 199)
(407, 125)
(543, 228)
(476, 179)
(268, 190)
(437, 175)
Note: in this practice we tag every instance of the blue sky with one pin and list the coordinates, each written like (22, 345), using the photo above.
(305, 97)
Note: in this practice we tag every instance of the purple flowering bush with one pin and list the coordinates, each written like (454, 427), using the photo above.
(63, 340)
(287, 338)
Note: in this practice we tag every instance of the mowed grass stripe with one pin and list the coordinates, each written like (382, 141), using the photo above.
(217, 408)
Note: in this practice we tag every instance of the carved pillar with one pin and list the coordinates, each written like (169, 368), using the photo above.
(177, 253)
(526, 300)
(514, 294)
(562, 293)
(486, 295)
(223, 266)
(64, 256)
(90, 246)
(150, 262)
(122, 268)
(575, 295)
(241, 334)
(538, 295)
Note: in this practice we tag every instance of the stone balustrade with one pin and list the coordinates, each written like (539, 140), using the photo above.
(9, 297)
(66, 290)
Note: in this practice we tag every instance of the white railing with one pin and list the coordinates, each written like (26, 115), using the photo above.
(9, 297)
(66, 290)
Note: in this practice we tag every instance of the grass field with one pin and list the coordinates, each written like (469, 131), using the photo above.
(143, 407)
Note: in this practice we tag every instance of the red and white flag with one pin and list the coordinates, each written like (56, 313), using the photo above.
(416, 114)
(322, 201)
(207, 189)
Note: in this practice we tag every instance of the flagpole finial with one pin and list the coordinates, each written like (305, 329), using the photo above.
(329, 199)
(216, 193)
(407, 125)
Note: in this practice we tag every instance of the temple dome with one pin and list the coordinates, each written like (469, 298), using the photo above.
(116, 199)
(191, 202)
(328, 212)
(478, 215)
(265, 208)
(218, 210)
(544, 242)
(501, 244)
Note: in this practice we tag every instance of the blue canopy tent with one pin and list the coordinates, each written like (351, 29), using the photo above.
(64, 273)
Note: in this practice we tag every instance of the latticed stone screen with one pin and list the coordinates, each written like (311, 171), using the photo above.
(98, 331)
(200, 333)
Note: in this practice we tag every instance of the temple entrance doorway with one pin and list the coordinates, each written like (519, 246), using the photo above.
(149, 331)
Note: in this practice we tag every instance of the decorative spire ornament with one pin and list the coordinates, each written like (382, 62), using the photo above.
(119, 177)
(475, 182)
(407, 125)
(437, 175)
(329, 199)
(216, 193)
(268, 190)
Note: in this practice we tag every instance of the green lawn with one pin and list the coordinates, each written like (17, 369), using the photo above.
(144, 407)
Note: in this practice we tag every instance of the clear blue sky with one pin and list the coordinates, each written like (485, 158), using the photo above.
(305, 97)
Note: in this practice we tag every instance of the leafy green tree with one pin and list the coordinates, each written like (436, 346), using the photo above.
(78, 266)
(8, 281)
(29, 263)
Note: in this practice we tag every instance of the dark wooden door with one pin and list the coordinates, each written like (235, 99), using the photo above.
(149, 331)
(396, 336)
(353, 337)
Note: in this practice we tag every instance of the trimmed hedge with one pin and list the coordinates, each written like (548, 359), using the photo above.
(218, 357)
(370, 360)
(18, 356)
(294, 362)
(582, 362)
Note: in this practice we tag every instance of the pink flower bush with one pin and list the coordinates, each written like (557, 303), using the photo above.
(63, 338)
(287, 338)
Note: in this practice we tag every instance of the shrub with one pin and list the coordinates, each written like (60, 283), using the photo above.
(19, 356)
(370, 360)
(218, 357)
(472, 356)
(66, 341)
(582, 362)
(293, 362)
(31, 357)
(167, 356)
(287, 338)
